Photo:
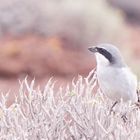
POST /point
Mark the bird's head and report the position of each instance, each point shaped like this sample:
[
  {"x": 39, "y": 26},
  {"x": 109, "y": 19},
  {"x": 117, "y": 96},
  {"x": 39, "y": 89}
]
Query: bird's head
[{"x": 107, "y": 54}]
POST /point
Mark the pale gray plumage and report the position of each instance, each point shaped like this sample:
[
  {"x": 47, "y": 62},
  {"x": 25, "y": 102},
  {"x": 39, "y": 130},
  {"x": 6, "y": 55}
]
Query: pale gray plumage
[{"x": 115, "y": 78}]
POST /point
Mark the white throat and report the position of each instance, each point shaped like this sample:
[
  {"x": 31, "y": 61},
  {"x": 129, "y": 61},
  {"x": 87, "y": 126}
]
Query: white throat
[{"x": 101, "y": 60}]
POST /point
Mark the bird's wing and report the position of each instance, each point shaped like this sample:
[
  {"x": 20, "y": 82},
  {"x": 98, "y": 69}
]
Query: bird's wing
[{"x": 130, "y": 82}]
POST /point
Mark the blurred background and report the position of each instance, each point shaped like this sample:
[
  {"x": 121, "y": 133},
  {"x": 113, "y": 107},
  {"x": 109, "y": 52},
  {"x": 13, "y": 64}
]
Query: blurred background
[{"x": 49, "y": 38}]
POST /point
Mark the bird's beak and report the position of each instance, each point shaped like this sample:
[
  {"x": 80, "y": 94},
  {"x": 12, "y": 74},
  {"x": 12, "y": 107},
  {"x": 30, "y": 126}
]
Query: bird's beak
[{"x": 93, "y": 49}]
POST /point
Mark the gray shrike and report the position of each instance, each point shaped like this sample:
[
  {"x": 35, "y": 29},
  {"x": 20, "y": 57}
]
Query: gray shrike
[{"x": 114, "y": 77}]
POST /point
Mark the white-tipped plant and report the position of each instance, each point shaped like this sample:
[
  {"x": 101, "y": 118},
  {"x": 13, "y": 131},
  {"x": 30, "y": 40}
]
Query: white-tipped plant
[{"x": 77, "y": 112}]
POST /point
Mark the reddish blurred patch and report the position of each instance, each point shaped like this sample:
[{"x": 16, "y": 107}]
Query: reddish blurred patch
[{"x": 38, "y": 56}]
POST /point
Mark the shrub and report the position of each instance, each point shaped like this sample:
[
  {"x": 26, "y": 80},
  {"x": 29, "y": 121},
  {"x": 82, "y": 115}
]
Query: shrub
[{"x": 75, "y": 112}]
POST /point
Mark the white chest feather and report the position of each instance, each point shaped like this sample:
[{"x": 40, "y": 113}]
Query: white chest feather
[{"x": 117, "y": 83}]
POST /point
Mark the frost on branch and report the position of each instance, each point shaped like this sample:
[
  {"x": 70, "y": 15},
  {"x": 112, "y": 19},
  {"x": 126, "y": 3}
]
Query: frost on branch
[{"x": 76, "y": 112}]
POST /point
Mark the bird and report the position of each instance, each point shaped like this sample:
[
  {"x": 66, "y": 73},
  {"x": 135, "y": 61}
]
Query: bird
[{"x": 115, "y": 78}]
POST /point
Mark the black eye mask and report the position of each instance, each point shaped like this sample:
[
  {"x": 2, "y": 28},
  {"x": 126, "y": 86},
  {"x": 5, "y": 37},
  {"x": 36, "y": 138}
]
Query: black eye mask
[{"x": 106, "y": 54}]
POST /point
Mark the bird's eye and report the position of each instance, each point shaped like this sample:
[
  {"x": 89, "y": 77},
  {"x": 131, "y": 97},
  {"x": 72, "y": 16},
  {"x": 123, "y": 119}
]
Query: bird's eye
[{"x": 106, "y": 54}]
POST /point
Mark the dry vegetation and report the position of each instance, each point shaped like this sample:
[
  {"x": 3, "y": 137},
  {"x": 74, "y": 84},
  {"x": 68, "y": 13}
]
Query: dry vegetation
[{"x": 71, "y": 113}]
